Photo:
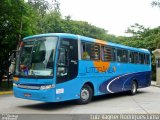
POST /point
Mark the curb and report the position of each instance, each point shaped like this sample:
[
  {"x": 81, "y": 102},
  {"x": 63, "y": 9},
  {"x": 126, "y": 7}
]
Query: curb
[
  {"x": 6, "y": 93},
  {"x": 155, "y": 85}
]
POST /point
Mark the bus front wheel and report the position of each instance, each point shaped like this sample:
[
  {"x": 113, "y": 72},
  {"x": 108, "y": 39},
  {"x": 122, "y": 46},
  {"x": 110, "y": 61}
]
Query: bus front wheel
[
  {"x": 86, "y": 94},
  {"x": 134, "y": 88}
]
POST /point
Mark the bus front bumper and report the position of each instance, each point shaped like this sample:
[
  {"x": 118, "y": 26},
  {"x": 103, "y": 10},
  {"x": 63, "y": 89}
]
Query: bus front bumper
[{"x": 39, "y": 95}]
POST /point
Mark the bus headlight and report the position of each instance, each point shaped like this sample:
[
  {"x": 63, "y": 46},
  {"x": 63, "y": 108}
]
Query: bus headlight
[
  {"x": 45, "y": 87},
  {"x": 14, "y": 84}
]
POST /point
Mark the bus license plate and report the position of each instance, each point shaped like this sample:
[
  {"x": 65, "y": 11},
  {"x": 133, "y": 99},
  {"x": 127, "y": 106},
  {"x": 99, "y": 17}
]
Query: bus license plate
[{"x": 27, "y": 95}]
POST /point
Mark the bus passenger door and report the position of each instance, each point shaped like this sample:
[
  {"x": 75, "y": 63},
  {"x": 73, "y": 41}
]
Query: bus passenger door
[{"x": 67, "y": 66}]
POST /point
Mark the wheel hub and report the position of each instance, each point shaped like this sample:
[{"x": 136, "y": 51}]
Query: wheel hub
[
  {"x": 85, "y": 94},
  {"x": 134, "y": 88}
]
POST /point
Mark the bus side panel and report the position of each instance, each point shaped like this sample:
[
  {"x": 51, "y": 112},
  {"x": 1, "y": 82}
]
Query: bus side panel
[
  {"x": 117, "y": 78},
  {"x": 121, "y": 81},
  {"x": 68, "y": 90},
  {"x": 106, "y": 82}
]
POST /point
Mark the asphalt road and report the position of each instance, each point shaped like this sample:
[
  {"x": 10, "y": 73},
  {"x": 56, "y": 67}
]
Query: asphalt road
[{"x": 146, "y": 101}]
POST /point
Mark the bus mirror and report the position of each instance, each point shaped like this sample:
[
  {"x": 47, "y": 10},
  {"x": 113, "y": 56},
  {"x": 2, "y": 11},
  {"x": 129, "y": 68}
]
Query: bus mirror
[
  {"x": 12, "y": 57},
  {"x": 12, "y": 65},
  {"x": 13, "y": 54}
]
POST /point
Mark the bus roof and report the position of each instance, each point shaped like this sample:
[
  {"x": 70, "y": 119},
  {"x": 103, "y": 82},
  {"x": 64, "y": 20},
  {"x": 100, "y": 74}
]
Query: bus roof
[
  {"x": 52, "y": 34},
  {"x": 88, "y": 39}
]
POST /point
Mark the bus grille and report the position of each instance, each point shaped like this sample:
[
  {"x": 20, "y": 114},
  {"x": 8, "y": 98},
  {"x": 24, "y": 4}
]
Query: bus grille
[{"x": 28, "y": 87}]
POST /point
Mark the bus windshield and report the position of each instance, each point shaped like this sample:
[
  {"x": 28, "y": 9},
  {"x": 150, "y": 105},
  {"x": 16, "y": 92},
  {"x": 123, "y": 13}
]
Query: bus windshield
[{"x": 36, "y": 57}]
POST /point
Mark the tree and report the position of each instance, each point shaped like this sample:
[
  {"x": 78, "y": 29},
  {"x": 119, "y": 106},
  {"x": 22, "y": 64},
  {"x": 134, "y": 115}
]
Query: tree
[
  {"x": 40, "y": 6},
  {"x": 137, "y": 31},
  {"x": 53, "y": 22},
  {"x": 143, "y": 37},
  {"x": 156, "y": 3},
  {"x": 17, "y": 19}
]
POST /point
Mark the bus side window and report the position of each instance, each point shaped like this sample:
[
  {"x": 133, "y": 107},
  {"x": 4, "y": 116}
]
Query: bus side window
[
  {"x": 107, "y": 53},
  {"x": 125, "y": 56},
  {"x": 96, "y": 52},
  {"x": 102, "y": 53},
  {"x": 119, "y": 55},
  {"x": 142, "y": 58},
  {"x": 147, "y": 59},
  {"x": 90, "y": 51},
  {"x": 131, "y": 57},
  {"x": 85, "y": 55},
  {"x": 136, "y": 58},
  {"x": 113, "y": 54},
  {"x": 144, "y": 61}
]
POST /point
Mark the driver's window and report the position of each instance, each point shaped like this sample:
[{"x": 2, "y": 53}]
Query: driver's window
[
  {"x": 62, "y": 57},
  {"x": 62, "y": 69}
]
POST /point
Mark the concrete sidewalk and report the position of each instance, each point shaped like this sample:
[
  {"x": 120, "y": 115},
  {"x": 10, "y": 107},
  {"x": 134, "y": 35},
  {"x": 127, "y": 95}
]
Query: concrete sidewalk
[{"x": 153, "y": 83}]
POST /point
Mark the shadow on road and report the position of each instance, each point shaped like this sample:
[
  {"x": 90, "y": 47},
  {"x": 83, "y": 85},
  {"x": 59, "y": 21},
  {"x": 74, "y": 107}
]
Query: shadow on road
[
  {"x": 115, "y": 96},
  {"x": 68, "y": 104},
  {"x": 50, "y": 105}
]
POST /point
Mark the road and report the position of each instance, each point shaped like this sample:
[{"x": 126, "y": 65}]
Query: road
[{"x": 146, "y": 101}]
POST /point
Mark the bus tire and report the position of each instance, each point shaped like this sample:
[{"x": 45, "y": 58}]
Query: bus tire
[
  {"x": 134, "y": 88},
  {"x": 86, "y": 94}
]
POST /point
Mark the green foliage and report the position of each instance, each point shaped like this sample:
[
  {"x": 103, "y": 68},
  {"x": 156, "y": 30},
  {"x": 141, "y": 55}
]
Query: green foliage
[
  {"x": 143, "y": 37},
  {"x": 11, "y": 11},
  {"x": 53, "y": 22},
  {"x": 18, "y": 19}
]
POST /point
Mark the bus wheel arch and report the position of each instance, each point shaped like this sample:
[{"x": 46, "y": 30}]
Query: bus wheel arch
[
  {"x": 86, "y": 93},
  {"x": 91, "y": 85},
  {"x": 134, "y": 87}
]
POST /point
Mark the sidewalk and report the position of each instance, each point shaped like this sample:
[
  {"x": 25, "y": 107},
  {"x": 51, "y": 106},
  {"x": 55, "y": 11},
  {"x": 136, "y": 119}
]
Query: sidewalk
[{"x": 153, "y": 83}]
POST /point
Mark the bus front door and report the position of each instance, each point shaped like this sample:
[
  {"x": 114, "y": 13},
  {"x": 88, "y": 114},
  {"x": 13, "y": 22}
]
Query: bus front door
[{"x": 67, "y": 66}]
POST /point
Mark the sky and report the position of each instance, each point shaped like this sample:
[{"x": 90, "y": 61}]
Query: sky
[{"x": 115, "y": 16}]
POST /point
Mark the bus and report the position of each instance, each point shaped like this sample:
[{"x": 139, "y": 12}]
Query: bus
[{"x": 58, "y": 67}]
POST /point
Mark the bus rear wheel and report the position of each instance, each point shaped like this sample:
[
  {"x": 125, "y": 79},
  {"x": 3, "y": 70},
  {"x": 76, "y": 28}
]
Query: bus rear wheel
[
  {"x": 134, "y": 88},
  {"x": 86, "y": 94}
]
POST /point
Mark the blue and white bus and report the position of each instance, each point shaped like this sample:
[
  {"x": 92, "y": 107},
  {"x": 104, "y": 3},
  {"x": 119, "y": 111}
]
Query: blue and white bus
[{"x": 57, "y": 67}]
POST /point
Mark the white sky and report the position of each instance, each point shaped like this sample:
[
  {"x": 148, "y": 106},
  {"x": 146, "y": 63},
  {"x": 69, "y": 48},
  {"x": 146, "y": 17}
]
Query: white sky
[{"x": 112, "y": 15}]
